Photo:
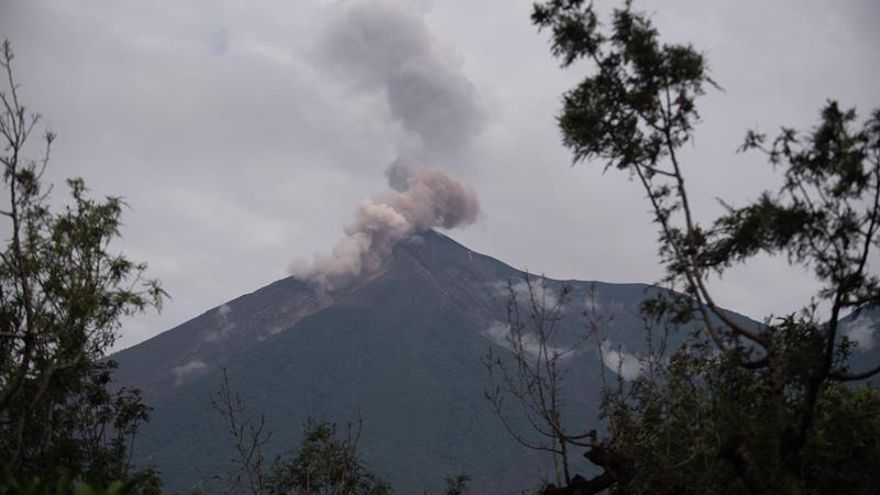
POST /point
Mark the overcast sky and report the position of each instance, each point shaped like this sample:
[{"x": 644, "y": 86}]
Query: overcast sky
[{"x": 244, "y": 134}]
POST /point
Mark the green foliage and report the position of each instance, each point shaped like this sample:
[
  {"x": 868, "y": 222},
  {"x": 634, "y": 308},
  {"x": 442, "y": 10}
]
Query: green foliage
[
  {"x": 640, "y": 102},
  {"x": 63, "y": 485},
  {"x": 704, "y": 424},
  {"x": 94, "y": 429},
  {"x": 457, "y": 485},
  {"x": 62, "y": 295},
  {"x": 326, "y": 464},
  {"x": 741, "y": 409}
]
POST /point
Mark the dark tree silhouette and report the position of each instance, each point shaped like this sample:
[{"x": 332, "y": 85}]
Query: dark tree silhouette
[
  {"x": 62, "y": 295},
  {"x": 769, "y": 387}
]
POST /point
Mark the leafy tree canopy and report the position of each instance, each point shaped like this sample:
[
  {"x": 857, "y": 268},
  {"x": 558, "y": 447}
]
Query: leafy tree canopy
[
  {"x": 63, "y": 292},
  {"x": 739, "y": 408}
]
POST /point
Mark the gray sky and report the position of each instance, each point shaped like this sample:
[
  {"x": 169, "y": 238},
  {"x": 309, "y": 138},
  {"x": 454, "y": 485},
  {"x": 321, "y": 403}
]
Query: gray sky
[{"x": 245, "y": 134}]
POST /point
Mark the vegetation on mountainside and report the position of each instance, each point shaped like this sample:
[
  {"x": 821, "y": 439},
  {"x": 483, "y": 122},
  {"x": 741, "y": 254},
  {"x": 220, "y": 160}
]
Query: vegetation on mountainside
[{"x": 326, "y": 463}]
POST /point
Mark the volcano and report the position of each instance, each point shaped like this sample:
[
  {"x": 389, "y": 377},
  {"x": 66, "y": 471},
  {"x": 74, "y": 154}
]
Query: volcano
[{"x": 400, "y": 349}]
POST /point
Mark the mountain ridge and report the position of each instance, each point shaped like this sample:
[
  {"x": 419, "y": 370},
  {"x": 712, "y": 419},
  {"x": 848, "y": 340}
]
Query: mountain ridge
[{"x": 402, "y": 348}]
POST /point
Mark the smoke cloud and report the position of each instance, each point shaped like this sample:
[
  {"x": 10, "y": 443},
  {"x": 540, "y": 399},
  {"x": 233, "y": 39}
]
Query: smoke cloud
[
  {"x": 384, "y": 47},
  {"x": 431, "y": 199},
  {"x": 379, "y": 46}
]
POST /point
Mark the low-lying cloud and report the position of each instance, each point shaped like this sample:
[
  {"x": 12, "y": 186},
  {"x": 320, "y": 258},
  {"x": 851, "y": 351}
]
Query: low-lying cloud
[
  {"x": 628, "y": 366},
  {"x": 183, "y": 372},
  {"x": 224, "y": 327},
  {"x": 861, "y": 330},
  {"x": 501, "y": 334},
  {"x": 538, "y": 290}
]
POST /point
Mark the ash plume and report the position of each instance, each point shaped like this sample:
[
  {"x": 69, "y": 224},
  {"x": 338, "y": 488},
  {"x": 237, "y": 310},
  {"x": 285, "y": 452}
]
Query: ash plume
[
  {"x": 385, "y": 47},
  {"x": 431, "y": 199}
]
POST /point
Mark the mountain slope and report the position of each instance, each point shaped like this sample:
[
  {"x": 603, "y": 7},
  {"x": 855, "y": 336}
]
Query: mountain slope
[{"x": 400, "y": 349}]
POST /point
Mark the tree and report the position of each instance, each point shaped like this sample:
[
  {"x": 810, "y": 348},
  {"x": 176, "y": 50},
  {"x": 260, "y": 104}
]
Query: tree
[
  {"x": 62, "y": 295},
  {"x": 771, "y": 391},
  {"x": 456, "y": 485},
  {"x": 531, "y": 375},
  {"x": 65, "y": 485},
  {"x": 250, "y": 468},
  {"x": 326, "y": 463}
]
